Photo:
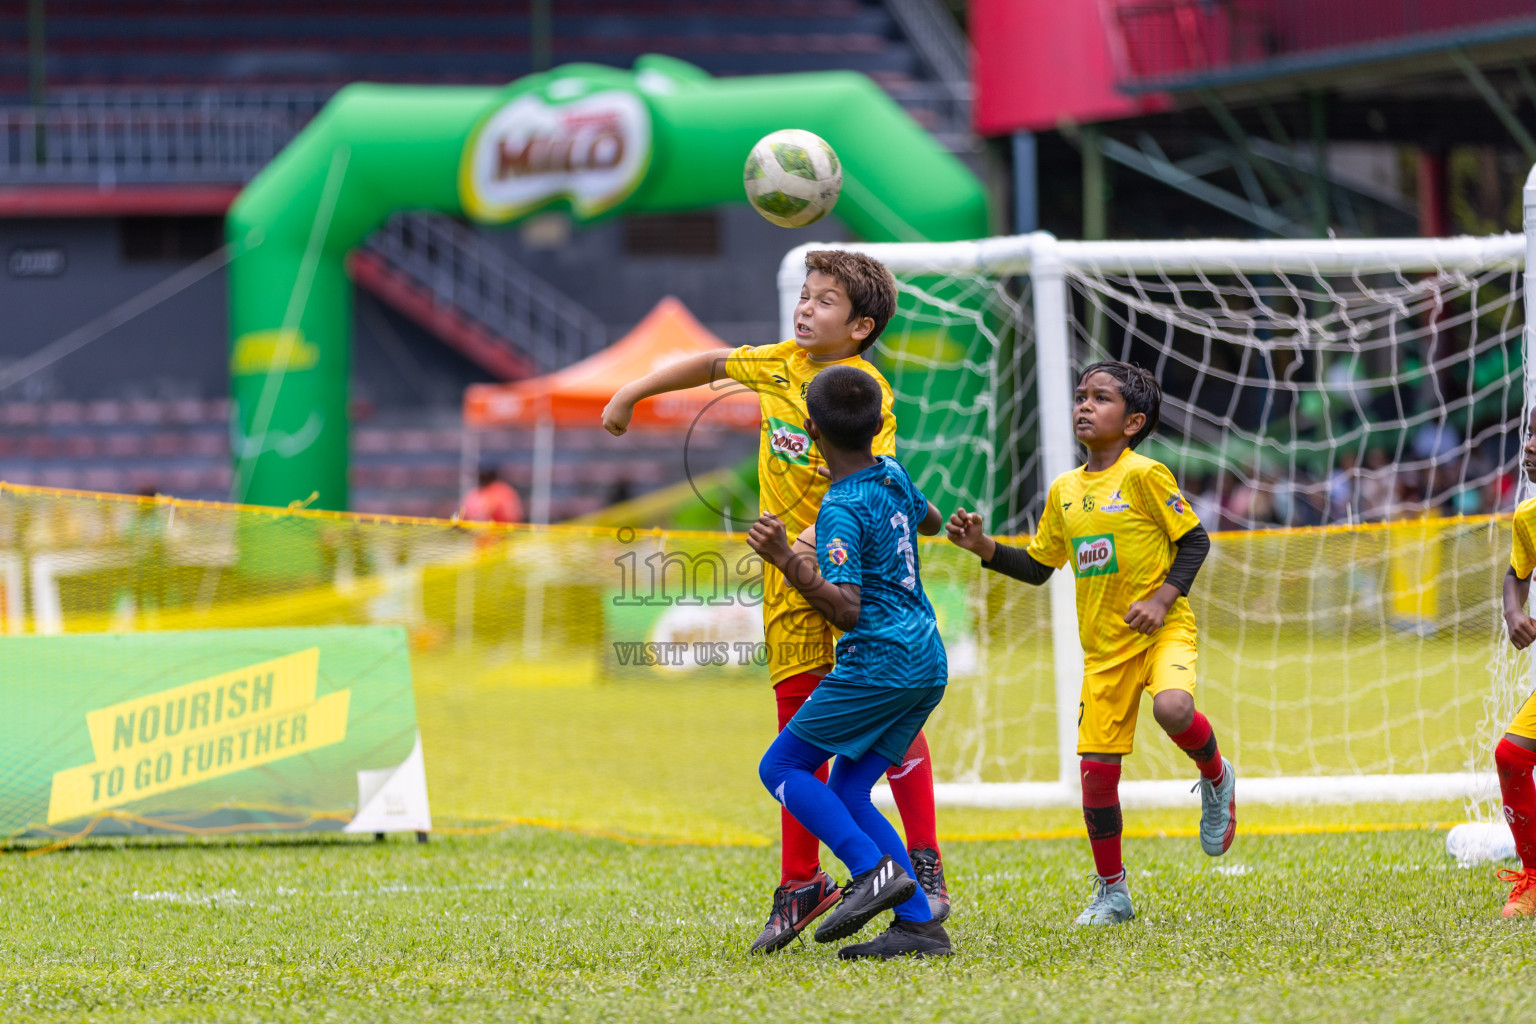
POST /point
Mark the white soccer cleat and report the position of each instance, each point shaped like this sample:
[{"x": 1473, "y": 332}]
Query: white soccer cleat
[
  {"x": 1218, "y": 811},
  {"x": 1111, "y": 903}
]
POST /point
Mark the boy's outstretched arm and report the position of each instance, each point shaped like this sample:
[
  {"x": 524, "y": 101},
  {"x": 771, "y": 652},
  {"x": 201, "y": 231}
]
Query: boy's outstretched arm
[
  {"x": 1189, "y": 554},
  {"x": 703, "y": 368},
  {"x": 838, "y": 603},
  {"x": 1522, "y": 628},
  {"x": 964, "y": 529}
]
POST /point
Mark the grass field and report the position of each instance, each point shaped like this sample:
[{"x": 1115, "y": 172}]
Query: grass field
[
  {"x": 544, "y": 926},
  {"x": 640, "y": 905}
]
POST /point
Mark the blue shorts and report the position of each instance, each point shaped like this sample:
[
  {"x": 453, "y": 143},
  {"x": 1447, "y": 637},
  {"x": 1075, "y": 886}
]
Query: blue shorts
[{"x": 852, "y": 719}]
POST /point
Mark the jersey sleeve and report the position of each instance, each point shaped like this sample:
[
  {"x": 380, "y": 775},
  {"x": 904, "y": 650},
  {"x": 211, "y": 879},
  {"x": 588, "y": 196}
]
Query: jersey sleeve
[
  {"x": 1522, "y": 555},
  {"x": 750, "y": 364},
  {"x": 838, "y": 543},
  {"x": 1049, "y": 545},
  {"x": 1155, "y": 494},
  {"x": 885, "y": 441}
]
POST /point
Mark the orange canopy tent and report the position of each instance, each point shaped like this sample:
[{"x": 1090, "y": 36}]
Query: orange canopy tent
[{"x": 576, "y": 395}]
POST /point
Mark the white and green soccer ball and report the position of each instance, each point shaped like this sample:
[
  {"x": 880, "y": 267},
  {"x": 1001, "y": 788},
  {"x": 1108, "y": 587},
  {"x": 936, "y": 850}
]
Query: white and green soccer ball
[{"x": 793, "y": 177}]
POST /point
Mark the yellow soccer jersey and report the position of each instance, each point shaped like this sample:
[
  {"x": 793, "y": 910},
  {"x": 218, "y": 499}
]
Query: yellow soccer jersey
[
  {"x": 1117, "y": 528},
  {"x": 798, "y": 638},
  {"x": 1522, "y": 555},
  {"x": 787, "y": 461}
]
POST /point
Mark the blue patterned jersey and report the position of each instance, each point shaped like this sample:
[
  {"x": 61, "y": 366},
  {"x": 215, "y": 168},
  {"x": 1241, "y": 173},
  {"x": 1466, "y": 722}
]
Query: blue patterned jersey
[{"x": 865, "y": 534}]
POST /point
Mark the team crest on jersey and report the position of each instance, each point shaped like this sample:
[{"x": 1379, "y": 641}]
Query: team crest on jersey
[
  {"x": 788, "y": 441},
  {"x": 1176, "y": 502},
  {"x": 837, "y": 551},
  {"x": 1095, "y": 556},
  {"x": 1115, "y": 504}
]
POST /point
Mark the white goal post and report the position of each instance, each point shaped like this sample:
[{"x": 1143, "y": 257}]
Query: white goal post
[{"x": 1347, "y": 309}]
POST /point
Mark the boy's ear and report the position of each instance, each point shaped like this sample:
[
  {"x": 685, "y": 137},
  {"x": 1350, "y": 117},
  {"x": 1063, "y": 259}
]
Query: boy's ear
[
  {"x": 1133, "y": 423},
  {"x": 810, "y": 428},
  {"x": 861, "y": 328}
]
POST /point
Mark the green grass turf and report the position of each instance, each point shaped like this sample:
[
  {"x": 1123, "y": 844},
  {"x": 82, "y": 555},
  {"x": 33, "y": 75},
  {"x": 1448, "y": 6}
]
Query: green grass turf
[
  {"x": 677, "y": 758},
  {"x": 543, "y": 926}
]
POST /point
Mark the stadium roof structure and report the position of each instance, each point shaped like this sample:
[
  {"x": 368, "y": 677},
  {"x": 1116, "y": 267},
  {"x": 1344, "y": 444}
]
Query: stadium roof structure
[
  {"x": 1234, "y": 103},
  {"x": 576, "y": 395}
]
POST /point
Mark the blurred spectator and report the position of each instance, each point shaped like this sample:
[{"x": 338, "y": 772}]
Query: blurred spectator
[
  {"x": 494, "y": 501},
  {"x": 1378, "y": 487},
  {"x": 1341, "y": 488},
  {"x": 1204, "y": 500}
]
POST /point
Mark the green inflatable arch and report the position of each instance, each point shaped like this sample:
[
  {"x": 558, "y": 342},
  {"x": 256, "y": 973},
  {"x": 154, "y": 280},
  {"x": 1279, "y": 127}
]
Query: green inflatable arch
[{"x": 591, "y": 139}]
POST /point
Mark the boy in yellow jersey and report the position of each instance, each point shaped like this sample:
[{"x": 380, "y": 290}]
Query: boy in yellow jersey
[
  {"x": 1515, "y": 754},
  {"x": 1135, "y": 546},
  {"x": 846, "y": 301}
]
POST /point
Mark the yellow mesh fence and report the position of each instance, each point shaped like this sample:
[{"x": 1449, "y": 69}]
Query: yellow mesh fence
[{"x": 613, "y": 681}]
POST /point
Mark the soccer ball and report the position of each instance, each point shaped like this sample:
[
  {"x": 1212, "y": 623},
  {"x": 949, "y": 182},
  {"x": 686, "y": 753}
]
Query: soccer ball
[{"x": 792, "y": 177}]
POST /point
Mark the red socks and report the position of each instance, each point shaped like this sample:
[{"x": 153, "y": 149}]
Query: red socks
[
  {"x": 1515, "y": 764},
  {"x": 1101, "y": 812},
  {"x": 1199, "y": 742},
  {"x": 912, "y": 786},
  {"x": 800, "y": 851}
]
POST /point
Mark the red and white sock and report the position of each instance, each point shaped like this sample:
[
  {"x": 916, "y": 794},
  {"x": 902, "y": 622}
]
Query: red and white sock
[
  {"x": 1199, "y": 742},
  {"x": 912, "y": 788},
  {"x": 1101, "y": 813},
  {"x": 1515, "y": 765}
]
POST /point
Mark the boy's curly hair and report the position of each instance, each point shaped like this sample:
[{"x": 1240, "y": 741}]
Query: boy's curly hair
[
  {"x": 1139, "y": 389},
  {"x": 871, "y": 288}
]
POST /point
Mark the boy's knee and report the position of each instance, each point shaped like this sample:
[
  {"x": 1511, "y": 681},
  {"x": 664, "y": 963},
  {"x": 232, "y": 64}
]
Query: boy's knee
[
  {"x": 1174, "y": 711},
  {"x": 1511, "y": 758},
  {"x": 770, "y": 770}
]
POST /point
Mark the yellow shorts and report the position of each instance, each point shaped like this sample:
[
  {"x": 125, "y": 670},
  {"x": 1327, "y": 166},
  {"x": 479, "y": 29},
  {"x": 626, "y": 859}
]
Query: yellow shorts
[
  {"x": 1524, "y": 722},
  {"x": 1106, "y": 711},
  {"x": 799, "y": 639}
]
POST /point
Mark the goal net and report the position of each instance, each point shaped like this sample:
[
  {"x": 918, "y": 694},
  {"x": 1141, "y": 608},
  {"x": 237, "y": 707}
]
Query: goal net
[{"x": 1344, "y": 416}]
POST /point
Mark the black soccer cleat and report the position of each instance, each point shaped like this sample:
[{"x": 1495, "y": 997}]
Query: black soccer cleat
[
  {"x": 902, "y": 938},
  {"x": 930, "y": 875},
  {"x": 877, "y": 890},
  {"x": 794, "y": 906}
]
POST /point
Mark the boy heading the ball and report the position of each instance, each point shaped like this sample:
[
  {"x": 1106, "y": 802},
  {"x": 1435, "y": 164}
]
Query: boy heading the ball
[
  {"x": 1515, "y": 755},
  {"x": 1135, "y": 546},
  {"x": 865, "y": 579},
  {"x": 845, "y": 303}
]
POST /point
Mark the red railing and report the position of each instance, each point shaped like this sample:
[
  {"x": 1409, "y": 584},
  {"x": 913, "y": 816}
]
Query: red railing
[{"x": 1160, "y": 42}]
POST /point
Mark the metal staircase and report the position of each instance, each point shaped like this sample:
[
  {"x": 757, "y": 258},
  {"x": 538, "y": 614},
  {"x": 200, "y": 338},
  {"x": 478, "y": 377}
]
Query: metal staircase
[
  {"x": 943, "y": 106},
  {"x": 458, "y": 285}
]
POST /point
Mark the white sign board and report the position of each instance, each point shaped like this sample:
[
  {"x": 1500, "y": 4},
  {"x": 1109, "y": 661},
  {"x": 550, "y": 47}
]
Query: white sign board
[{"x": 591, "y": 151}]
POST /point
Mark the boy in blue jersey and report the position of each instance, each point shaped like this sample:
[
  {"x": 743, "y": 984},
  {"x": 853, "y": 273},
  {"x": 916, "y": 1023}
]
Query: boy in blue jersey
[{"x": 890, "y": 673}]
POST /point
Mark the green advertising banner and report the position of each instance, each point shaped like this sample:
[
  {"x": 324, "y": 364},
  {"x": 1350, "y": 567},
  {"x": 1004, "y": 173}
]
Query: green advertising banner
[{"x": 210, "y": 730}]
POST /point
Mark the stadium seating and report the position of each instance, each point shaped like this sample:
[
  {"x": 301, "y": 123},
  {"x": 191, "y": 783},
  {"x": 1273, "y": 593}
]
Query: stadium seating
[
  {"x": 215, "y": 42},
  {"x": 402, "y": 464}
]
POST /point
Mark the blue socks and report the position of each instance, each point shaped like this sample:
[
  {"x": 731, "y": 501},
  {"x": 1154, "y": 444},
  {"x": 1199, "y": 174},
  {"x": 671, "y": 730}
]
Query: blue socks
[{"x": 839, "y": 812}]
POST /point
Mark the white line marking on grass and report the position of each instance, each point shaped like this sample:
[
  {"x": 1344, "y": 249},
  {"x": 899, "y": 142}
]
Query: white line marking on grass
[
  {"x": 1232, "y": 869},
  {"x": 223, "y": 897}
]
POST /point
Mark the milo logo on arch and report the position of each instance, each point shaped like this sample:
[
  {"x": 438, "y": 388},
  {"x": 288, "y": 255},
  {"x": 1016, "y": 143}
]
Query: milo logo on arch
[
  {"x": 1095, "y": 556},
  {"x": 788, "y": 441}
]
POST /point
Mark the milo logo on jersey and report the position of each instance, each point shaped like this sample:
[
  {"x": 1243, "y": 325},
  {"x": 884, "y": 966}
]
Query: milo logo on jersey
[
  {"x": 1095, "y": 556},
  {"x": 789, "y": 442}
]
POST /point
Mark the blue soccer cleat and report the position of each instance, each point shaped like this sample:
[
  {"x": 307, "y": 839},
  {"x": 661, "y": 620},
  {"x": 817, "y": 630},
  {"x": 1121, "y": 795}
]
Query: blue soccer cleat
[
  {"x": 1111, "y": 903},
  {"x": 1218, "y": 811}
]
